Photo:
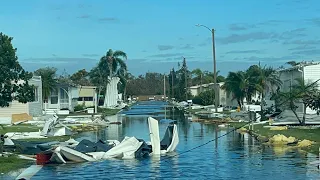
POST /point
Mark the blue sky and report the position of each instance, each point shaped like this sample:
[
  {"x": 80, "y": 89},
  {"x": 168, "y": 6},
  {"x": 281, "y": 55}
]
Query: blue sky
[{"x": 74, "y": 34}]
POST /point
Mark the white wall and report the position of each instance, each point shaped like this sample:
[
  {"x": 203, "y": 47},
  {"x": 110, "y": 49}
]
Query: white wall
[
  {"x": 311, "y": 74},
  {"x": 31, "y": 108},
  {"x": 194, "y": 91},
  {"x": 15, "y": 107},
  {"x": 35, "y": 108}
]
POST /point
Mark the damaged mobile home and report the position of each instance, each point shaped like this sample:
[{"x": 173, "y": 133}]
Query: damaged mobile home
[{"x": 87, "y": 151}]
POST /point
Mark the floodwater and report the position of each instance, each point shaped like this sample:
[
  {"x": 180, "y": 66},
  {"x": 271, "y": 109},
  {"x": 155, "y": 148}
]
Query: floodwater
[{"x": 234, "y": 156}]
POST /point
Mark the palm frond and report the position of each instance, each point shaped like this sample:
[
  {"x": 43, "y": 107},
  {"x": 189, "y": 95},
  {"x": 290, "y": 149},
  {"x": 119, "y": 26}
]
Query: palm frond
[{"x": 118, "y": 54}]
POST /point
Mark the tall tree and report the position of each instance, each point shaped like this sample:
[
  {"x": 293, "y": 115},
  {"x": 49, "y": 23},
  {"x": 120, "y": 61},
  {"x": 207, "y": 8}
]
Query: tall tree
[
  {"x": 198, "y": 77},
  {"x": 110, "y": 65},
  {"x": 268, "y": 80},
  {"x": 10, "y": 75},
  {"x": 49, "y": 80},
  {"x": 81, "y": 77},
  {"x": 209, "y": 77},
  {"x": 235, "y": 86},
  {"x": 184, "y": 81},
  {"x": 115, "y": 61},
  {"x": 172, "y": 82}
]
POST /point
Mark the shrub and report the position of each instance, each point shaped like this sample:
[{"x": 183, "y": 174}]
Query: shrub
[
  {"x": 204, "y": 98},
  {"x": 79, "y": 107}
]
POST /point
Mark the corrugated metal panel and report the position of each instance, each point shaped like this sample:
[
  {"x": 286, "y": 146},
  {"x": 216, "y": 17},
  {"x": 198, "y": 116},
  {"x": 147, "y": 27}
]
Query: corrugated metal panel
[{"x": 311, "y": 74}]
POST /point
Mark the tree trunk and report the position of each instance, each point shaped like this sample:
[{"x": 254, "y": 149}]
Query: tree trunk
[
  {"x": 304, "y": 115},
  {"x": 239, "y": 103},
  {"x": 125, "y": 94},
  {"x": 99, "y": 92},
  {"x": 262, "y": 103},
  {"x": 105, "y": 96},
  {"x": 295, "y": 113}
]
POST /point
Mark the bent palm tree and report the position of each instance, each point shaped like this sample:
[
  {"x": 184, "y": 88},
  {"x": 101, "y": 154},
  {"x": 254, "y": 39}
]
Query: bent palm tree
[{"x": 115, "y": 63}]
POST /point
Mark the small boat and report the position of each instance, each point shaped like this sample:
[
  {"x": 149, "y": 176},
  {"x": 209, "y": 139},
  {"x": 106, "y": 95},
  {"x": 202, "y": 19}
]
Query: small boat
[
  {"x": 125, "y": 150},
  {"x": 56, "y": 157},
  {"x": 73, "y": 155},
  {"x": 154, "y": 135},
  {"x": 128, "y": 148},
  {"x": 169, "y": 141}
]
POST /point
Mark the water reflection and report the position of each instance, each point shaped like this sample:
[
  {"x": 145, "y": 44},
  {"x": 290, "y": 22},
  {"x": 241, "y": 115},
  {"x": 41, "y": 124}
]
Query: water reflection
[{"x": 234, "y": 156}]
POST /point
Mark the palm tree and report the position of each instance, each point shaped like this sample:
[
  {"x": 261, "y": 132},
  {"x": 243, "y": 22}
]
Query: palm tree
[
  {"x": 49, "y": 81},
  {"x": 299, "y": 93},
  {"x": 209, "y": 77},
  {"x": 199, "y": 74},
  {"x": 115, "y": 61},
  {"x": 234, "y": 85},
  {"x": 267, "y": 80},
  {"x": 292, "y": 63}
]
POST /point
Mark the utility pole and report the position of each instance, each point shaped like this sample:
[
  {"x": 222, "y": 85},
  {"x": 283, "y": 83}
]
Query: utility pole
[
  {"x": 215, "y": 72},
  {"x": 172, "y": 84},
  {"x": 164, "y": 87},
  {"x": 185, "y": 77},
  {"x": 214, "y": 67},
  {"x": 201, "y": 82}
]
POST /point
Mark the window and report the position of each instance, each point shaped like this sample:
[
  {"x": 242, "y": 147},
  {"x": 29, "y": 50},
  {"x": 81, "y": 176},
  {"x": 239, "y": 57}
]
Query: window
[
  {"x": 36, "y": 94},
  {"x": 85, "y": 99},
  {"x": 54, "y": 96},
  {"x": 88, "y": 98},
  {"x": 63, "y": 96}
]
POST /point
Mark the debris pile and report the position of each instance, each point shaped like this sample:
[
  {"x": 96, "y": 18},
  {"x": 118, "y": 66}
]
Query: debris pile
[{"x": 281, "y": 139}]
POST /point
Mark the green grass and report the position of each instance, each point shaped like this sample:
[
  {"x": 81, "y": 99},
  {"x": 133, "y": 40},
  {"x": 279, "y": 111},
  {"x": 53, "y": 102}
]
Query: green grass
[
  {"x": 108, "y": 112},
  {"x": 194, "y": 110},
  {"x": 238, "y": 124},
  {"x": 300, "y": 134},
  {"x": 11, "y": 163},
  {"x": 48, "y": 139},
  {"x": 19, "y": 128}
]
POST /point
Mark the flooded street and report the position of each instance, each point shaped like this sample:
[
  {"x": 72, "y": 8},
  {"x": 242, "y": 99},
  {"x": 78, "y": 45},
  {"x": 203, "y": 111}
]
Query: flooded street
[{"x": 234, "y": 156}]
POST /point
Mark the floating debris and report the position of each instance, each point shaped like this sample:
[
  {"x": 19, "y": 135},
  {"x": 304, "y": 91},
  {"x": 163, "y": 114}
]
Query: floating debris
[
  {"x": 305, "y": 143},
  {"x": 279, "y": 128},
  {"x": 281, "y": 139}
]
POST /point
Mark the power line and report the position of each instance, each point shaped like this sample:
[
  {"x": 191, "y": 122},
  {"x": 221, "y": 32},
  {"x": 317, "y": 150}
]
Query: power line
[
  {"x": 199, "y": 146},
  {"x": 218, "y": 137}
]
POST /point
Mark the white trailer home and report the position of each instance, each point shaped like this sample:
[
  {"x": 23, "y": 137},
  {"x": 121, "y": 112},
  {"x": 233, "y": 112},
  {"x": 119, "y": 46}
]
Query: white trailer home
[
  {"x": 308, "y": 71},
  {"x": 31, "y": 108}
]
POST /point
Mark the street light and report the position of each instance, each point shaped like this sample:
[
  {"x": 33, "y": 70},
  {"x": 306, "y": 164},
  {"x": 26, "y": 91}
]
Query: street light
[{"x": 214, "y": 66}]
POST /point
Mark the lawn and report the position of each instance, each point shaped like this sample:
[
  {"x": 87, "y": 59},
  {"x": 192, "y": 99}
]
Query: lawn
[
  {"x": 108, "y": 112},
  {"x": 19, "y": 128},
  {"x": 13, "y": 163},
  {"x": 298, "y": 133}
]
